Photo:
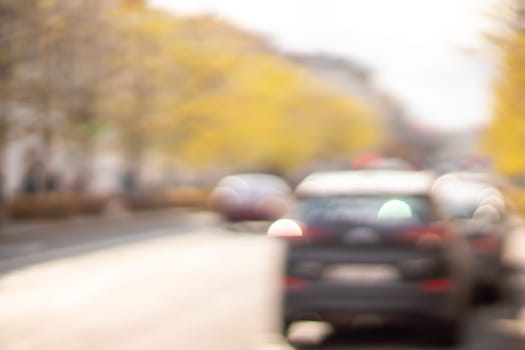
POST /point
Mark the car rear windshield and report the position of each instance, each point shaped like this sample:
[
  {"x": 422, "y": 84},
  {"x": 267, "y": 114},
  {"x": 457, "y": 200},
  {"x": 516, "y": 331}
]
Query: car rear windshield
[
  {"x": 461, "y": 209},
  {"x": 381, "y": 209}
]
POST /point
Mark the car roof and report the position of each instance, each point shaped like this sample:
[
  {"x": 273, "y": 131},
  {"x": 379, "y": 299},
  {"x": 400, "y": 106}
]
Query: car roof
[
  {"x": 486, "y": 178},
  {"x": 366, "y": 182},
  {"x": 254, "y": 180},
  {"x": 463, "y": 186}
]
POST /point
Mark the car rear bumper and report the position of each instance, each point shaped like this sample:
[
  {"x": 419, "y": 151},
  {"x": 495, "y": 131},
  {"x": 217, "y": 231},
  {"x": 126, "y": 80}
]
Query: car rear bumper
[{"x": 385, "y": 302}]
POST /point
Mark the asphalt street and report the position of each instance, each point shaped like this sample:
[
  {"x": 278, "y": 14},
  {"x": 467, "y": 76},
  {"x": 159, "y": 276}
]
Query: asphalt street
[{"x": 185, "y": 280}]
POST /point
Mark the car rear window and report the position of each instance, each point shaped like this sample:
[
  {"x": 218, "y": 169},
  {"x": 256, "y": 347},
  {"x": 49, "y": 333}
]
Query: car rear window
[
  {"x": 461, "y": 209},
  {"x": 463, "y": 200},
  {"x": 367, "y": 209}
]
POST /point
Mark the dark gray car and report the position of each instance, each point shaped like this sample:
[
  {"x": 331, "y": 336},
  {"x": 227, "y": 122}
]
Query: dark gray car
[
  {"x": 367, "y": 244},
  {"x": 480, "y": 211}
]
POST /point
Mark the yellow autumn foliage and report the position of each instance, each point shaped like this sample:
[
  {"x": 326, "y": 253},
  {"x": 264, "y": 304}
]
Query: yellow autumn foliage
[
  {"x": 206, "y": 93},
  {"x": 504, "y": 139}
]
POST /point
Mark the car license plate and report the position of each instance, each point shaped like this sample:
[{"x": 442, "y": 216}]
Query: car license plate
[{"x": 361, "y": 274}]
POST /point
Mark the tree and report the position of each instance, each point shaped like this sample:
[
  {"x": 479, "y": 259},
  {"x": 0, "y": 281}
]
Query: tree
[
  {"x": 504, "y": 139},
  {"x": 224, "y": 97},
  {"x": 197, "y": 90}
]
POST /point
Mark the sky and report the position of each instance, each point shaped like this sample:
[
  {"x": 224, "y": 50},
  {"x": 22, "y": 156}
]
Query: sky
[{"x": 429, "y": 54}]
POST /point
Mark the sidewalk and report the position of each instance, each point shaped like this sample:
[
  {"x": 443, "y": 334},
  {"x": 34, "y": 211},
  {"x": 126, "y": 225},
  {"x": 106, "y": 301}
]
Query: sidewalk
[
  {"x": 15, "y": 228},
  {"x": 514, "y": 250},
  {"x": 28, "y": 243},
  {"x": 514, "y": 258}
]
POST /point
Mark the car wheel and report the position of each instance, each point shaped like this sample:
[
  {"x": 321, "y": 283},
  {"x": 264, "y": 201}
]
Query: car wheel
[
  {"x": 285, "y": 327},
  {"x": 449, "y": 333},
  {"x": 490, "y": 293}
]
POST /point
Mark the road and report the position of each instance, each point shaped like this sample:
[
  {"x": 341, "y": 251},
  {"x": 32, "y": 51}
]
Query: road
[
  {"x": 183, "y": 281},
  {"x": 24, "y": 244}
]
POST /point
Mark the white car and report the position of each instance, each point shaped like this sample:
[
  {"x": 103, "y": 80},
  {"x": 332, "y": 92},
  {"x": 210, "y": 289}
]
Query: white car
[{"x": 251, "y": 196}]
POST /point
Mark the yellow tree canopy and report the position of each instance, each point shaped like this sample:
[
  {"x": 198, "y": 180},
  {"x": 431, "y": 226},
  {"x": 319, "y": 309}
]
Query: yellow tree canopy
[
  {"x": 207, "y": 93},
  {"x": 504, "y": 139}
]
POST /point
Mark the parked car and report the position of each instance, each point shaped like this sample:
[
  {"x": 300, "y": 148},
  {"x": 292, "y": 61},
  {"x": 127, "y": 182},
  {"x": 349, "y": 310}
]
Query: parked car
[
  {"x": 373, "y": 243},
  {"x": 251, "y": 197},
  {"x": 480, "y": 210}
]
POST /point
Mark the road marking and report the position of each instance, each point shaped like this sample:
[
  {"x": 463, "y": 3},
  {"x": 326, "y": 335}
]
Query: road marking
[
  {"x": 86, "y": 247},
  {"x": 21, "y": 248}
]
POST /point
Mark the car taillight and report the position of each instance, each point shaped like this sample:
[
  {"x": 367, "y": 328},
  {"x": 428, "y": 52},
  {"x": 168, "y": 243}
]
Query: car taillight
[
  {"x": 439, "y": 285},
  {"x": 485, "y": 243},
  {"x": 425, "y": 236},
  {"x": 294, "y": 283}
]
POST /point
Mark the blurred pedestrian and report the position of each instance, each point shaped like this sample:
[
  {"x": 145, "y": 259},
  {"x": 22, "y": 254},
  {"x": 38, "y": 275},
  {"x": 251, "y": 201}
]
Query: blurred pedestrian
[
  {"x": 52, "y": 181},
  {"x": 34, "y": 178},
  {"x": 129, "y": 180}
]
